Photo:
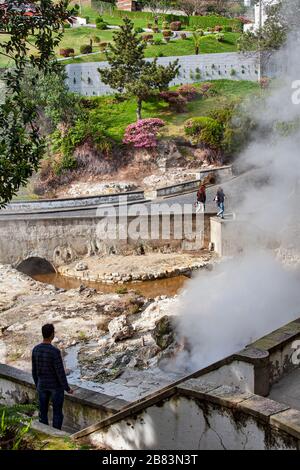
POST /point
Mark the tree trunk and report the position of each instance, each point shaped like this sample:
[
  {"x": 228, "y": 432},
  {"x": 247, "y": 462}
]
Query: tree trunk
[
  {"x": 197, "y": 50},
  {"x": 139, "y": 110}
]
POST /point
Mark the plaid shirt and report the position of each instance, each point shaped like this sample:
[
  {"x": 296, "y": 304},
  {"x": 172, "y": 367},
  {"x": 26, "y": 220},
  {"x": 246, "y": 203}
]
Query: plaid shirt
[{"x": 47, "y": 368}]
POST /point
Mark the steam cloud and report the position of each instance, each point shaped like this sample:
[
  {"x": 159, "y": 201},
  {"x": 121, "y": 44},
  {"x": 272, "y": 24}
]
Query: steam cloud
[{"x": 250, "y": 295}]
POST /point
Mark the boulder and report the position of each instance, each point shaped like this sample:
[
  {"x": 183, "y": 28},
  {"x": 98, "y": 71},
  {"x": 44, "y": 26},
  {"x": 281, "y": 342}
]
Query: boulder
[
  {"x": 120, "y": 328},
  {"x": 81, "y": 266}
]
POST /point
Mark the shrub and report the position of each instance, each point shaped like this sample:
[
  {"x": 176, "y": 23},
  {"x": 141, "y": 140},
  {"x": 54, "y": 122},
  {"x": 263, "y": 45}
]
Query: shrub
[
  {"x": 103, "y": 46},
  {"x": 176, "y": 101},
  {"x": 67, "y": 26},
  {"x": 165, "y": 25},
  {"x": 264, "y": 82},
  {"x": 86, "y": 49},
  {"x": 148, "y": 37},
  {"x": 100, "y": 23},
  {"x": 160, "y": 54},
  {"x": 155, "y": 29},
  {"x": 143, "y": 134},
  {"x": 183, "y": 36},
  {"x": 232, "y": 72},
  {"x": 175, "y": 26},
  {"x": 205, "y": 130},
  {"x": 139, "y": 30},
  {"x": 87, "y": 19},
  {"x": 220, "y": 37},
  {"x": 149, "y": 25},
  {"x": 227, "y": 29},
  {"x": 66, "y": 52},
  {"x": 206, "y": 90},
  {"x": 189, "y": 92},
  {"x": 167, "y": 33},
  {"x": 200, "y": 32},
  {"x": 15, "y": 424}
]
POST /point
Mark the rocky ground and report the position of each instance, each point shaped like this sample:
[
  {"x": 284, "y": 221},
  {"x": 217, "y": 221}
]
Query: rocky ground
[
  {"x": 133, "y": 268},
  {"x": 116, "y": 338}
]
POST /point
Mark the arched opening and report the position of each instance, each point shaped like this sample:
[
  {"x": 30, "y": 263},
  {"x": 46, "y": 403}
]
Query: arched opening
[{"x": 35, "y": 265}]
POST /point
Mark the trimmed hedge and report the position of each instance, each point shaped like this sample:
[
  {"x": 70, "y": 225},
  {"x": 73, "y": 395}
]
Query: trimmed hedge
[
  {"x": 212, "y": 21},
  {"x": 148, "y": 16}
]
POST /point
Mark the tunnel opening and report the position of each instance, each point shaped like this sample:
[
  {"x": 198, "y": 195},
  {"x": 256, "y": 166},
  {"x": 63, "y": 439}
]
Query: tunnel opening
[{"x": 35, "y": 265}]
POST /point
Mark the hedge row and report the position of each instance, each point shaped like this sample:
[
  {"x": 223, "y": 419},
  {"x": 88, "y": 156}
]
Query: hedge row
[
  {"x": 148, "y": 16},
  {"x": 201, "y": 22},
  {"x": 204, "y": 22}
]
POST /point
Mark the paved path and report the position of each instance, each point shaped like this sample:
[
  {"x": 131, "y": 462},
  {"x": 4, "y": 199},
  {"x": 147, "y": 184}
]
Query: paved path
[
  {"x": 233, "y": 190},
  {"x": 287, "y": 390}
]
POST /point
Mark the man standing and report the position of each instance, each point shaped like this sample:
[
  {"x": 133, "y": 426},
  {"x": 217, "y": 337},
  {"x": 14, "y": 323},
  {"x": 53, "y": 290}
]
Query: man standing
[
  {"x": 49, "y": 377},
  {"x": 220, "y": 198}
]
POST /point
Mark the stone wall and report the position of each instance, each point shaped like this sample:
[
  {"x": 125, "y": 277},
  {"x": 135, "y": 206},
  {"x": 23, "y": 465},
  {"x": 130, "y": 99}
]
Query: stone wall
[
  {"x": 85, "y": 78},
  {"x": 82, "y": 409},
  {"x": 62, "y": 240},
  {"x": 201, "y": 416}
]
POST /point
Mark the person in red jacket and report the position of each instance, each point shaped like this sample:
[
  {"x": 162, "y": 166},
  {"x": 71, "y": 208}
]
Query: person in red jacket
[{"x": 201, "y": 198}]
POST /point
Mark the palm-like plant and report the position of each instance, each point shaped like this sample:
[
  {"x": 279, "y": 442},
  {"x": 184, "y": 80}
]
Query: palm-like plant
[
  {"x": 15, "y": 423},
  {"x": 197, "y": 40}
]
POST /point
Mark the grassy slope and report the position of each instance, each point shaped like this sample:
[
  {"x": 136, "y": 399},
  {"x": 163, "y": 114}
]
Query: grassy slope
[
  {"x": 173, "y": 48},
  {"x": 119, "y": 115}
]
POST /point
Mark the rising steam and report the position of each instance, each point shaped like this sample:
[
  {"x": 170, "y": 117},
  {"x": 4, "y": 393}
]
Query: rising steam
[{"x": 250, "y": 295}]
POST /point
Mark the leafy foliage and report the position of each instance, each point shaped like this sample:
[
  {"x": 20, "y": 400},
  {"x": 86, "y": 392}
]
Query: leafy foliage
[
  {"x": 143, "y": 134},
  {"x": 15, "y": 423},
  {"x": 204, "y": 130},
  {"x": 129, "y": 73},
  {"x": 21, "y": 146}
]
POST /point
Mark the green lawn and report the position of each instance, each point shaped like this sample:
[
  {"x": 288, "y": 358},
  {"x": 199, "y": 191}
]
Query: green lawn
[
  {"x": 177, "y": 47},
  {"x": 118, "y": 115}
]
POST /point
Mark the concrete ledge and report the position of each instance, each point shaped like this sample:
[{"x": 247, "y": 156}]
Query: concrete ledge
[
  {"x": 261, "y": 408},
  {"x": 77, "y": 202},
  {"x": 288, "y": 421},
  {"x": 81, "y": 409}
]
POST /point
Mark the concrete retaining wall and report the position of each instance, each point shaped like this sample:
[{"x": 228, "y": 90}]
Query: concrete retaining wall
[
  {"x": 203, "y": 417},
  {"x": 62, "y": 240},
  {"x": 85, "y": 78},
  {"x": 77, "y": 202},
  {"x": 82, "y": 409}
]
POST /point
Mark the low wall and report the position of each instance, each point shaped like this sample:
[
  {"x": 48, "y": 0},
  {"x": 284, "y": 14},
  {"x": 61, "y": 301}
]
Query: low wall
[
  {"x": 77, "y": 202},
  {"x": 201, "y": 416},
  {"x": 63, "y": 240},
  {"x": 221, "y": 174},
  {"x": 85, "y": 78},
  {"x": 82, "y": 409}
]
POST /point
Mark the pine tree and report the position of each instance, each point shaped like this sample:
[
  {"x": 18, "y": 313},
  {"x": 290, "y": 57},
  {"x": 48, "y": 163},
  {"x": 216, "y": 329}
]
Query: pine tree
[{"x": 129, "y": 73}]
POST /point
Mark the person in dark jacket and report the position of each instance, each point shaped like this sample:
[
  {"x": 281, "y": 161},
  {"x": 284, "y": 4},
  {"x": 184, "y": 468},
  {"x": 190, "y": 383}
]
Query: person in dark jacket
[
  {"x": 49, "y": 377},
  {"x": 201, "y": 198},
  {"x": 220, "y": 200}
]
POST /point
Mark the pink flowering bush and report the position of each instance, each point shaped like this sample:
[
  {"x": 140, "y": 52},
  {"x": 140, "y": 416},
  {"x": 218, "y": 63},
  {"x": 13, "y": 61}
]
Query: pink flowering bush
[{"x": 143, "y": 134}]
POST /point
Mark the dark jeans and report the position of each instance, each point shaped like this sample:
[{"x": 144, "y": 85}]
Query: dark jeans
[{"x": 57, "y": 398}]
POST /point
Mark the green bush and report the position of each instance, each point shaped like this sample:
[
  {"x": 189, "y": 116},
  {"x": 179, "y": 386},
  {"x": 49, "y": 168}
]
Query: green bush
[
  {"x": 87, "y": 19},
  {"x": 100, "y": 23},
  {"x": 227, "y": 29},
  {"x": 147, "y": 16},
  {"x": 139, "y": 30},
  {"x": 205, "y": 130},
  {"x": 86, "y": 49},
  {"x": 205, "y": 22}
]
